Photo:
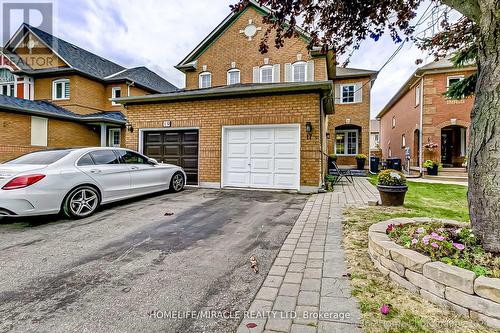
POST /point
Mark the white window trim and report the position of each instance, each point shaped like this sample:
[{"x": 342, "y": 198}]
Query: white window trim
[
  {"x": 54, "y": 83},
  {"x": 460, "y": 77},
  {"x": 272, "y": 73},
  {"x": 305, "y": 70},
  {"x": 403, "y": 140},
  {"x": 234, "y": 70},
  {"x": 417, "y": 95},
  {"x": 200, "y": 81},
  {"x": 113, "y": 90},
  {"x": 342, "y": 95},
  {"x": 345, "y": 141},
  {"x": 111, "y": 132}
]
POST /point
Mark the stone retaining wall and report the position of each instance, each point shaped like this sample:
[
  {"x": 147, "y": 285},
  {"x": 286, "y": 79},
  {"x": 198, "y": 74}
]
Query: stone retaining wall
[{"x": 448, "y": 286}]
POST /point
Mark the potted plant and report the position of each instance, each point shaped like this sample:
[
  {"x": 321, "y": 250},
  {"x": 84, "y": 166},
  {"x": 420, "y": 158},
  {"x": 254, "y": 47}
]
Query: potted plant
[
  {"x": 332, "y": 159},
  {"x": 329, "y": 181},
  {"x": 360, "y": 161},
  {"x": 392, "y": 187},
  {"x": 432, "y": 167}
]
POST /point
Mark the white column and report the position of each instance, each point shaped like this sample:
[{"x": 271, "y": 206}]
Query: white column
[{"x": 103, "y": 135}]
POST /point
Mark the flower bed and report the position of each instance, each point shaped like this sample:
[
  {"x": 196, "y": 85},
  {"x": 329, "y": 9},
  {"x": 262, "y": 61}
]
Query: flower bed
[
  {"x": 449, "y": 244},
  {"x": 468, "y": 292}
]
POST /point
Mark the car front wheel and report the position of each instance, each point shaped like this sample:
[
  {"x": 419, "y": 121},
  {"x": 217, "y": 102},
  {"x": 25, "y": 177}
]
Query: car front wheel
[
  {"x": 177, "y": 182},
  {"x": 81, "y": 202}
]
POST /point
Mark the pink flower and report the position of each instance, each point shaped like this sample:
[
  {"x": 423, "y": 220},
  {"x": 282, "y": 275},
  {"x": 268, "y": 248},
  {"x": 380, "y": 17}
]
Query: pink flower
[
  {"x": 425, "y": 239},
  {"x": 414, "y": 241},
  {"x": 435, "y": 245},
  {"x": 420, "y": 230},
  {"x": 437, "y": 237},
  {"x": 389, "y": 229},
  {"x": 385, "y": 309},
  {"x": 459, "y": 246}
]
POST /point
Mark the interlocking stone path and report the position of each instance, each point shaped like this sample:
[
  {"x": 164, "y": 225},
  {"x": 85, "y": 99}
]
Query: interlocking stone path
[{"x": 308, "y": 277}]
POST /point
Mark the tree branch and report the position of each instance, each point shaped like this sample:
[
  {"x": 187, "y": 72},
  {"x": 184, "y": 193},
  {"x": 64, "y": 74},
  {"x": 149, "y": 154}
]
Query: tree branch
[{"x": 468, "y": 8}]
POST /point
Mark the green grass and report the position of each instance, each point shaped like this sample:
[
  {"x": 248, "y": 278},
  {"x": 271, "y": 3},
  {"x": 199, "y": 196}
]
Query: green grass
[{"x": 434, "y": 200}]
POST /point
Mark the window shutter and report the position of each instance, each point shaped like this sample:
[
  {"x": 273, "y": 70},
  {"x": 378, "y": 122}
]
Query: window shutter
[
  {"x": 358, "y": 92},
  {"x": 288, "y": 72},
  {"x": 66, "y": 89},
  {"x": 310, "y": 71},
  {"x": 338, "y": 95},
  {"x": 256, "y": 74},
  {"x": 277, "y": 73}
]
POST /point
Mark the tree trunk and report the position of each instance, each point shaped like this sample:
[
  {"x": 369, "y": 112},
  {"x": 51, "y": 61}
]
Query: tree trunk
[{"x": 484, "y": 148}]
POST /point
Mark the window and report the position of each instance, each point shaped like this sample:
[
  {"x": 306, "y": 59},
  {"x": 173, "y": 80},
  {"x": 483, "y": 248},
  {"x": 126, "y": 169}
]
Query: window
[
  {"x": 205, "y": 80},
  {"x": 417, "y": 95},
  {"x": 129, "y": 157},
  {"x": 403, "y": 141},
  {"x": 116, "y": 92},
  {"x": 347, "y": 93},
  {"x": 346, "y": 142},
  {"x": 453, "y": 79},
  {"x": 39, "y": 131},
  {"x": 101, "y": 157},
  {"x": 114, "y": 137},
  {"x": 7, "y": 83},
  {"x": 266, "y": 74},
  {"x": 85, "y": 160},
  {"x": 44, "y": 157},
  {"x": 299, "y": 72},
  {"x": 233, "y": 76},
  {"x": 60, "y": 89},
  {"x": 393, "y": 121}
]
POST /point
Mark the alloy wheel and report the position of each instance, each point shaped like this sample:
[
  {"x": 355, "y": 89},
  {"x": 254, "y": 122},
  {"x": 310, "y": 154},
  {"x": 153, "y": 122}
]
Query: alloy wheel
[
  {"x": 83, "y": 202},
  {"x": 178, "y": 182}
]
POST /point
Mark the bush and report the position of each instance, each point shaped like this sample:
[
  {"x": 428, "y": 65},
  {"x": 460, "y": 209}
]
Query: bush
[
  {"x": 432, "y": 164},
  {"x": 361, "y": 157},
  {"x": 333, "y": 157},
  {"x": 391, "y": 177}
]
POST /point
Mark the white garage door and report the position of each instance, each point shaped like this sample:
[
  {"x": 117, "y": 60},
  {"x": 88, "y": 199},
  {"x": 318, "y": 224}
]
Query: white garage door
[{"x": 261, "y": 157}]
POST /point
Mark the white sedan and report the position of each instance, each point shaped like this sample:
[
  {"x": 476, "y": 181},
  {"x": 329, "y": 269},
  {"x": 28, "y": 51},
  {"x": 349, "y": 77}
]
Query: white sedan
[{"x": 77, "y": 181}]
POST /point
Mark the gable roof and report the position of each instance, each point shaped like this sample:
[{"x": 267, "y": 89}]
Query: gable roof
[
  {"x": 47, "y": 109},
  {"x": 441, "y": 66},
  {"x": 347, "y": 72},
  {"x": 86, "y": 62},
  {"x": 146, "y": 77},
  {"x": 190, "y": 60}
]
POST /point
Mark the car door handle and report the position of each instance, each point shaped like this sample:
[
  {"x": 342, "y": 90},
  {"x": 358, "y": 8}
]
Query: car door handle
[
  {"x": 95, "y": 171},
  {"x": 134, "y": 168}
]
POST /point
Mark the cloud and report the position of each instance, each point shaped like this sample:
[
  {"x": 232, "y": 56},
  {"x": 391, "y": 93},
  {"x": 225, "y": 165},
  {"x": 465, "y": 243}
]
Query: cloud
[{"x": 159, "y": 34}]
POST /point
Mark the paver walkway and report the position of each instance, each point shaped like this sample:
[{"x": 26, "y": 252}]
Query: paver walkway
[{"x": 307, "y": 289}]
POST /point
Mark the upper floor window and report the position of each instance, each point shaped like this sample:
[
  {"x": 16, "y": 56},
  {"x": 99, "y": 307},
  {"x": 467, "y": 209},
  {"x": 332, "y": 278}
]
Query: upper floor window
[
  {"x": 417, "y": 95},
  {"x": 347, "y": 91},
  {"x": 299, "y": 71},
  {"x": 7, "y": 82},
  {"x": 403, "y": 140},
  {"x": 60, "y": 89},
  {"x": 233, "y": 76},
  {"x": 266, "y": 74},
  {"x": 116, "y": 92},
  {"x": 393, "y": 121},
  {"x": 205, "y": 80},
  {"x": 453, "y": 79}
]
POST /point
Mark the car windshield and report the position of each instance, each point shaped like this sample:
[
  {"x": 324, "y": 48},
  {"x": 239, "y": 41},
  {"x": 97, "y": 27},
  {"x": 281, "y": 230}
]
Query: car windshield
[{"x": 41, "y": 157}]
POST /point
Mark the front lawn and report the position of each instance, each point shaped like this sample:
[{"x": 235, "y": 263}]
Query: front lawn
[{"x": 409, "y": 312}]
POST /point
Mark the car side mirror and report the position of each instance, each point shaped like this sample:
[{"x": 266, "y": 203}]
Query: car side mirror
[{"x": 153, "y": 161}]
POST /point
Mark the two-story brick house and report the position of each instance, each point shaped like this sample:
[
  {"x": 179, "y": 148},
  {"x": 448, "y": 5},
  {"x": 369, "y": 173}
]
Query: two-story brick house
[
  {"x": 419, "y": 114},
  {"x": 253, "y": 120},
  {"x": 56, "y": 94}
]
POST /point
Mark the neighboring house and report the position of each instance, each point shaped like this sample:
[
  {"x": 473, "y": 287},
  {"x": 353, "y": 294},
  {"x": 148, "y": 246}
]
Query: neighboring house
[
  {"x": 374, "y": 134},
  {"x": 255, "y": 120},
  {"x": 416, "y": 116},
  {"x": 55, "y": 94}
]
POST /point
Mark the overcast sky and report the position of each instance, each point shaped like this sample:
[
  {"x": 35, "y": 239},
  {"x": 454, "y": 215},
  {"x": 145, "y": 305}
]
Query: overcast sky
[{"x": 159, "y": 33}]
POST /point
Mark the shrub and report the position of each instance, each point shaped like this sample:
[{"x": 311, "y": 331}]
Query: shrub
[
  {"x": 361, "y": 157},
  {"x": 333, "y": 157},
  {"x": 391, "y": 177},
  {"x": 432, "y": 164}
]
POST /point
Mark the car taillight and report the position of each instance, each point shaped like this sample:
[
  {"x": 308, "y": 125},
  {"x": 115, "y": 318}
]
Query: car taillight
[{"x": 22, "y": 181}]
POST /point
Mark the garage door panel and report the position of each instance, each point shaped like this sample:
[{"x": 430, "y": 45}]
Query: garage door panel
[
  {"x": 190, "y": 137},
  {"x": 154, "y": 137},
  {"x": 171, "y": 137},
  {"x": 172, "y": 150},
  {"x": 190, "y": 149},
  {"x": 189, "y": 163},
  {"x": 259, "y": 149},
  {"x": 271, "y": 151},
  {"x": 285, "y": 149},
  {"x": 153, "y": 151}
]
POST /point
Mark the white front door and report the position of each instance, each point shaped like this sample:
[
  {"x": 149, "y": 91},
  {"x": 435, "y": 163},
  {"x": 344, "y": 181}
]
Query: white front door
[{"x": 261, "y": 156}]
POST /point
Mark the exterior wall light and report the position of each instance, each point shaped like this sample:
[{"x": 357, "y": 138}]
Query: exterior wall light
[
  {"x": 129, "y": 127},
  {"x": 309, "y": 129}
]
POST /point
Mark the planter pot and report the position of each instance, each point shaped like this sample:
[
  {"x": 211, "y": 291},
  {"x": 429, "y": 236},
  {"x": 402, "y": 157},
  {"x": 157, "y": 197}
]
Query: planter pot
[
  {"x": 360, "y": 164},
  {"x": 392, "y": 195},
  {"x": 433, "y": 171}
]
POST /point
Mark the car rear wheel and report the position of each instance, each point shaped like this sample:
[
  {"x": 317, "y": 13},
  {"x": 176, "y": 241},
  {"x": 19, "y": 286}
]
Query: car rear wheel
[
  {"x": 81, "y": 202},
  {"x": 177, "y": 182}
]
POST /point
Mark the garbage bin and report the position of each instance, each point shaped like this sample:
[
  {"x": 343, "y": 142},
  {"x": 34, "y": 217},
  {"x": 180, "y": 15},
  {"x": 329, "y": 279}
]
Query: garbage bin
[
  {"x": 394, "y": 163},
  {"x": 374, "y": 163}
]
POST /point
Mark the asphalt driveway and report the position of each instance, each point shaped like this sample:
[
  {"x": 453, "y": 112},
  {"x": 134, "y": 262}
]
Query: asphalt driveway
[{"x": 172, "y": 252}]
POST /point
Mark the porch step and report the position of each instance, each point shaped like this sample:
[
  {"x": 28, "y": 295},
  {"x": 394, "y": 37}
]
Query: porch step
[{"x": 441, "y": 177}]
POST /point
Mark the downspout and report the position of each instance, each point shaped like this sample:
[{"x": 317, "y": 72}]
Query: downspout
[
  {"x": 321, "y": 128},
  {"x": 421, "y": 127}
]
